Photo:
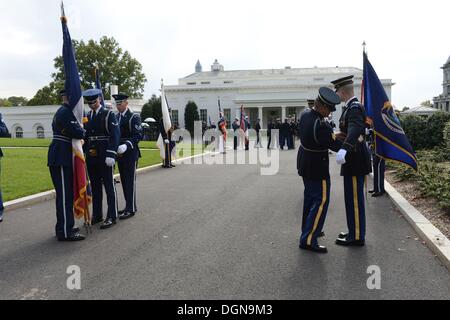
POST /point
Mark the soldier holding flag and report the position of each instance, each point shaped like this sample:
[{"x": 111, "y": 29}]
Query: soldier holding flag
[
  {"x": 165, "y": 143},
  {"x": 355, "y": 160}
]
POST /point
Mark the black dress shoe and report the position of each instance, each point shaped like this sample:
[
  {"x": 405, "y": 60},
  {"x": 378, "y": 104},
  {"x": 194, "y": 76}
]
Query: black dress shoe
[
  {"x": 76, "y": 230},
  {"x": 350, "y": 243},
  {"x": 172, "y": 165},
  {"x": 96, "y": 220},
  {"x": 321, "y": 235},
  {"x": 121, "y": 212},
  {"x": 108, "y": 224},
  {"x": 316, "y": 248},
  {"x": 73, "y": 238},
  {"x": 371, "y": 191},
  {"x": 126, "y": 215},
  {"x": 342, "y": 235},
  {"x": 167, "y": 167},
  {"x": 378, "y": 194}
]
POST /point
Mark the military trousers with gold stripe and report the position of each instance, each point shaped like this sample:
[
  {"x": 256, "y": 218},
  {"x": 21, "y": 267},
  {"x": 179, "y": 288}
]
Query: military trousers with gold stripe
[
  {"x": 315, "y": 209},
  {"x": 355, "y": 207}
]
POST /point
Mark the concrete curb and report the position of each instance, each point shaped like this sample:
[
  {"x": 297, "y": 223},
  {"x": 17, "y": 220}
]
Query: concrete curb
[
  {"x": 50, "y": 195},
  {"x": 435, "y": 240}
]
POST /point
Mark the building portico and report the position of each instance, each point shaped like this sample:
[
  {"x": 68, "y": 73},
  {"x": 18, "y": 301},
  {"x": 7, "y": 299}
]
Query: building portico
[{"x": 266, "y": 94}]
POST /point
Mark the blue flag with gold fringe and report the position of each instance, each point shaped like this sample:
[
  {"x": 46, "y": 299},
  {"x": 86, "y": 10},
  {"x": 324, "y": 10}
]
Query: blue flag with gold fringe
[{"x": 390, "y": 139}]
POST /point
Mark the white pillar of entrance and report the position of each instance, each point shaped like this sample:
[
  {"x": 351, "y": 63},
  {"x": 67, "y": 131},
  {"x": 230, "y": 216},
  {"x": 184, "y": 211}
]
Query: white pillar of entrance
[
  {"x": 260, "y": 115},
  {"x": 283, "y": 113}
]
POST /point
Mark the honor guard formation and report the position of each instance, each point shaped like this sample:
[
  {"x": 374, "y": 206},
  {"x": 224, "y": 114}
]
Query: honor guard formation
[{"x": 109, "y": 138}]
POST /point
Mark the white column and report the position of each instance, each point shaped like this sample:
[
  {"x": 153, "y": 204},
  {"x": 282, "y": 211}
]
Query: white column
[
  {"x": 260, "y": 115},
  {"x": 283, "y": 114}
]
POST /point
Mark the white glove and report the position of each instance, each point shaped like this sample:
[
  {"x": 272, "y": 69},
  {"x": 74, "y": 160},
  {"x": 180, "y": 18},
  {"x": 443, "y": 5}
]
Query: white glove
[
  {"x": 122, "y": 149},
  {"x": 340, "y": 157},
  {"x": 110, "y": 162},
  {"x": 166, "y": 141}
]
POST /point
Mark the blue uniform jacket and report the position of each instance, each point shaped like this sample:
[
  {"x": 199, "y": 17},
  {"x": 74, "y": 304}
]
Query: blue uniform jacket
[
  {"x": 3, "y": 132},
  {"x": 352, "y": 123},
  {"x": 102, "y": 136},
  {"x": 65, "y": 128},
  {"x": 317, "y": 138},
  {"x": 131, "y": 134}
]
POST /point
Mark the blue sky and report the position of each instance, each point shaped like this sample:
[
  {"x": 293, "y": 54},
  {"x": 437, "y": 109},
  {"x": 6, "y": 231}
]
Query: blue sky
[{"x": 407, "y": 41}]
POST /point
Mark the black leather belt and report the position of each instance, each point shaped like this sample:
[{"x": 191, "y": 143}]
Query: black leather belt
[
  {"x": 61, "y": 138},
  {"x": 314, "y": 151}
]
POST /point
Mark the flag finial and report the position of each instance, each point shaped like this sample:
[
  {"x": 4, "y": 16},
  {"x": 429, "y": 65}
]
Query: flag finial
[
  {"x": 364, "y": 46},
  {"x": 63, "y": 13}
]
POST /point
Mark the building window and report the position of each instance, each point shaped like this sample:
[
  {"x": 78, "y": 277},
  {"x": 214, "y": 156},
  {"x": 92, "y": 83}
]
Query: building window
[
  {"x": 448, "y": 107},
  {"x": 227, "y": 115},
  {"x": 40, "y": 133},
  {"x": 191, "y": 83},
  {"x": 175, "y": 118},
  {"x": 19, "y": 133},
  {"x": 207, "y": 82},
  {"x": 204, "y": 115},
  {"x": 228, "y": 82}
]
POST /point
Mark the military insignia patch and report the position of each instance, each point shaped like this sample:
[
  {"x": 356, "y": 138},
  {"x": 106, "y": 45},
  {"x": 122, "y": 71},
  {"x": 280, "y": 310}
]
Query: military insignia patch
[
  {"x": 390, "y": 119},
  {"x": 333, "y": 136}
]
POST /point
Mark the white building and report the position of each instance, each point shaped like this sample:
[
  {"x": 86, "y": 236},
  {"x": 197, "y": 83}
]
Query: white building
[
  {"x": 442, "y": 102},
  {"x": 36, "y": 122},
  {"x": 266, "y": 94}
]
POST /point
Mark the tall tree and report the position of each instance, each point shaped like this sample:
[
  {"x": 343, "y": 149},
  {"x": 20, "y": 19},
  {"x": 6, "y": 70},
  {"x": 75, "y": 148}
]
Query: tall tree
[
  {"x": 152, "y": 109},
  {"x": 5, "y": 103},
  {"x": 48, "y": 95},
  {"x": 190, "y": 116},
  {"x": 116, "y": 67}
]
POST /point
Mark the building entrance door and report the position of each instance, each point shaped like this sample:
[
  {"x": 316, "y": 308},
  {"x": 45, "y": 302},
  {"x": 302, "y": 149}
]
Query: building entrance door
[{"x": 270, "y": 114}]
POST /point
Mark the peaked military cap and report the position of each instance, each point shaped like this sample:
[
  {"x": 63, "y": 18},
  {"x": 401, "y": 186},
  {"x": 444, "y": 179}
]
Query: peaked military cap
[
  {"x": 92, "y": 95},
  {"x": 342, "y": 82},
  {"x": 329, "y": 98},
  {"x": 121, "y": 97}
]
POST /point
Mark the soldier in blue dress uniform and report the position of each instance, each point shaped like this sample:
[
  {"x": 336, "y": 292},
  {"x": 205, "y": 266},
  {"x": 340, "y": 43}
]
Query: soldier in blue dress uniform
[
  {"x": 128, "y": 153},
  {"x": 168, "y": 143},
  {"x": 316, "y": 138},
  {"x": 102, "y": 142},
  {"x": 3, "y": 133},
  {"x": 379, "y": 167},
  {"x": 355, "y": 160},
  {"x": 65, "y": 128}
]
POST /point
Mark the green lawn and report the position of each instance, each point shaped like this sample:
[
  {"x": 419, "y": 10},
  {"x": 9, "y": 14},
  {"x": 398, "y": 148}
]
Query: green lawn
[
  {"x": 24, "y": 142},
  {"x": 24, "y": 171},
  {"x": 46, "y": 143}
]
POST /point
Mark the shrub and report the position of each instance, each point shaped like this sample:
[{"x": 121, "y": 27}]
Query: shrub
[
  {"x": 414, "y": 127},
  {"x": 447, "y": 135},
  {"x": 435, "y": 125}
]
